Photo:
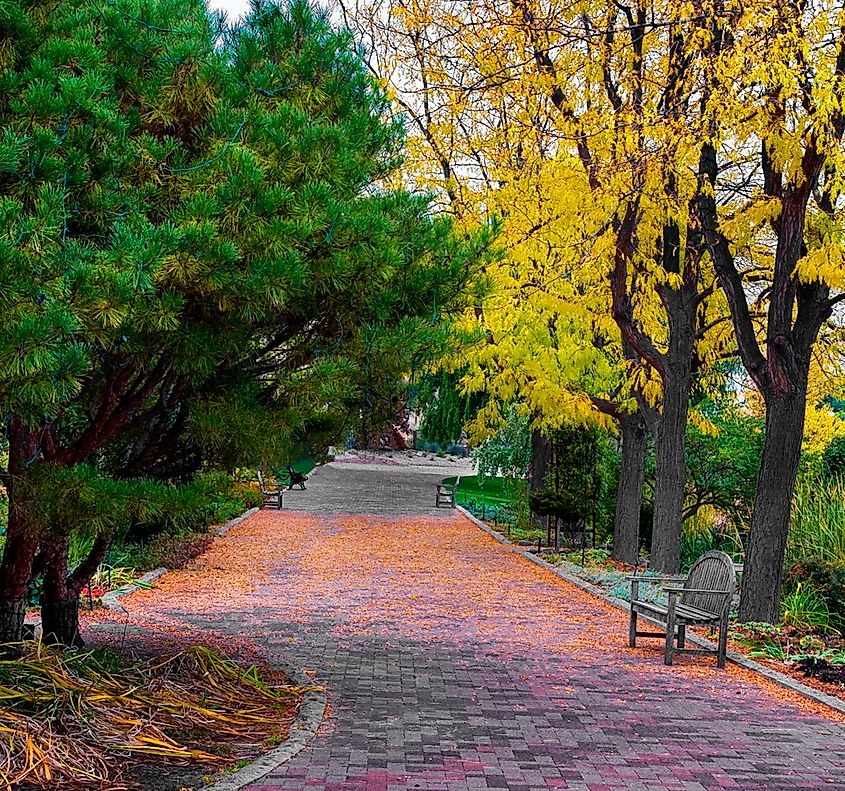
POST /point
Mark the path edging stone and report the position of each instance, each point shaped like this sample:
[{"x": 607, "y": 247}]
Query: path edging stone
[
  {"x": 111, "y": 599},
  {"x": 738, "y": 659},
  {"x": 302, "y": 730},
  {"x": 311, "y": 710}
]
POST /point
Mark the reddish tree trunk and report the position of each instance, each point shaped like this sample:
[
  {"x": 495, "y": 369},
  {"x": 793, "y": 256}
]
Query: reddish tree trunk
[
  {"x": 18, "y": 554},
  {"x": 21, "y": 541},
  {"x": 60, "y": 598},
  {"x": 62, "y": 588}
]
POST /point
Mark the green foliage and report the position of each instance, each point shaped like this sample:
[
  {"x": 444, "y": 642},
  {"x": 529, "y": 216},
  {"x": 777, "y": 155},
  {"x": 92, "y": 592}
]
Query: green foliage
[
  {"x": 166, "y": 550},
  {"x": 508, "y": 452},
  {"x": 722, "y": 467},
  {"x": 581, "y": 480},
  {"x": 823, "y": 578},
  {"x": 567, "y": 505},
  {"x": 445, "y": 409},
  {"x": 803, "y": 608},
  {"x": 701, "y": 533},
  {"x": 833, "y": 458},
  {"x": 817, "y": 528}
]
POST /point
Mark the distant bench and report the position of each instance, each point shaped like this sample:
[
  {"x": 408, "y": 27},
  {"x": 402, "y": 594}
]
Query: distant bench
[
  {"x": 446, "y": 493},
  {"x": 272, "y": 491}
]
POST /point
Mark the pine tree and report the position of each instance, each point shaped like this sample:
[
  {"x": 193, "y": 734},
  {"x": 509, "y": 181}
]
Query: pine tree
[{"x": 214, "y": 256}]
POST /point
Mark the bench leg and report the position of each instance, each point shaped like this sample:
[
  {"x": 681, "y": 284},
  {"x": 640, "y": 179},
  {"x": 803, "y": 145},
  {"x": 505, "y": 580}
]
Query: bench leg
[
  {"x": 632, "y": 630},
  {"x": 723, "y": 640},
  {"x": 682, "y": 636},
  {"x": 670, "y": 630}
]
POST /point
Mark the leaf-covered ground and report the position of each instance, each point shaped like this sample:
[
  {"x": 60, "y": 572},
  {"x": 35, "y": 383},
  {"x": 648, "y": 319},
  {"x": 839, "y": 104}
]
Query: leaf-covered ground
[{"x": 453, "y": 663}]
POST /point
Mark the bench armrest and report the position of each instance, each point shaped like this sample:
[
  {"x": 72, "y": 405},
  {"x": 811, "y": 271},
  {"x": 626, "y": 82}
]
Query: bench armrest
[{"x": 635, "y": 581}]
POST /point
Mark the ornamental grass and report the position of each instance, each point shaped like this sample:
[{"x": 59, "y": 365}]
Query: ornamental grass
[{"x": 77, "y": 720}]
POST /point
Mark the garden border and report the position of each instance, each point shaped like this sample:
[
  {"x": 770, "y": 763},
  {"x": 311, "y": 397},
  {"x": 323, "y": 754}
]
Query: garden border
[
  {"x": 311, "y": 711},
  {"x": 620, "y": 604},
  {"x": 302, "y": 730}
]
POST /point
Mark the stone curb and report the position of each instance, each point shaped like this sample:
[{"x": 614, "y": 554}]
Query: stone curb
[
  {"x": 738, "y": 659},
  {"x": 223, "y": 529},
  {"x": 111, "y": 599},
  {"x": 302, "y": 730}
]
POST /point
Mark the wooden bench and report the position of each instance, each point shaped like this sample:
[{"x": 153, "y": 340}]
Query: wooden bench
[
  {"x": 271, "y": 491},
  {"x": 446, "y": 493},
  {"x": 702, "y": 599}
]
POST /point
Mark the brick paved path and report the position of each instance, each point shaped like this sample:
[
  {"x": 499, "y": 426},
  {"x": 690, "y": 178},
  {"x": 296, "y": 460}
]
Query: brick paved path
[
  {"x": 453, "y": 664},
  {"x": 364, "y": 489}
]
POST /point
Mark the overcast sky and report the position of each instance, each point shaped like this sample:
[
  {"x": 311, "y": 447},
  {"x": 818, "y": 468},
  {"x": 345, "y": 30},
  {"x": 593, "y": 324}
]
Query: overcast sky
[{"x": 233, "y": 8}]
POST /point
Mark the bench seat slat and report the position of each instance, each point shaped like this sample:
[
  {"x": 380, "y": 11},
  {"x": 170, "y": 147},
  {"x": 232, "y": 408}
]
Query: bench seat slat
[{"x": 682, "y": 611}]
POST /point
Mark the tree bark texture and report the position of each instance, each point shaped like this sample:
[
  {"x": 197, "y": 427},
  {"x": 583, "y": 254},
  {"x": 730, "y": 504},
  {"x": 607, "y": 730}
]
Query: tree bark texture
[
  {"x": 541, "y": 456},
  {"x": 21, "y": 542},
  {"x": 670, "y": 476},
  {"x": 763, "y": 575},
  {"x": 629, "y": 494},
  {"x": 62, "y": 588},
  {"x": 59, "y": 598}
]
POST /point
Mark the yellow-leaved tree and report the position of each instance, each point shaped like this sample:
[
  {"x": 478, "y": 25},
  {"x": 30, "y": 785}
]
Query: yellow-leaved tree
[
  {"x": 772, "y": 169},
  {"x": 579, "y": 124}
]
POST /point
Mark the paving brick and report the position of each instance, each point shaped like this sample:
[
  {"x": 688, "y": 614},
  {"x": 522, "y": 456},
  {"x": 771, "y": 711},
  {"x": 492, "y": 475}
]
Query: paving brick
[{"x": 503, "y": 677}]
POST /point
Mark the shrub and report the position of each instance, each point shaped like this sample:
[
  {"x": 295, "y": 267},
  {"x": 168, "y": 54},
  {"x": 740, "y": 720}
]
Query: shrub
[
  {"x": 817, "y": 527},
  {"x": 457, "y": 450},
  {"x": 701, "y": 534},
  {"x": 171, "y": 552},
  {"x": 833, "y": 459},
  {"x": 826, "y": 579},
  {"x": 804, "y": 608}
]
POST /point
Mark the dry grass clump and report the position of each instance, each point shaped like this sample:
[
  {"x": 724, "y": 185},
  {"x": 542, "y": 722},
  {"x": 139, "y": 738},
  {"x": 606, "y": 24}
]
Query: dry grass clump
[{"x": 66, "y": 717}]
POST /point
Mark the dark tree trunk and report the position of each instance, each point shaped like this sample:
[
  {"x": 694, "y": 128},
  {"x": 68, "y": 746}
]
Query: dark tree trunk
[
  {"x": 12, "y": 612},
  {"x": 541, "y": 459},
  {"x": 541, "y": 456},
  {"x": 763, "y": 574},
  {"x": 60, "y": 598},
  {"x": 60, "y": 622},
  {"x": 629, "y": 494},
  {"x": 21, "y": 542},
  {"x": 19, "y": 552},
  {"x": 62, "y": 588},
  {"x": 670, "y": 476}
]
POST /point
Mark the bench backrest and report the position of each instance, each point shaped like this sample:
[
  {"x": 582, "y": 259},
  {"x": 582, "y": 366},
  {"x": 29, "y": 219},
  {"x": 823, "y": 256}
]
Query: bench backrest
[
  {"x": 261, "y": 485},
  {"x": 712, "y": 571}
]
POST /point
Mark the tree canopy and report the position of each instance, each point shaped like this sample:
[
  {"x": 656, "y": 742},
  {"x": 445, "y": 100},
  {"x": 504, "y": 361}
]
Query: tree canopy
[{"x": 203, "y": 254}]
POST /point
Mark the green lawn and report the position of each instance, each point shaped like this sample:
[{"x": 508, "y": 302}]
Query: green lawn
[
  {"x": 304, "y": 465},
  {"x": 494, "y": 491}
]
